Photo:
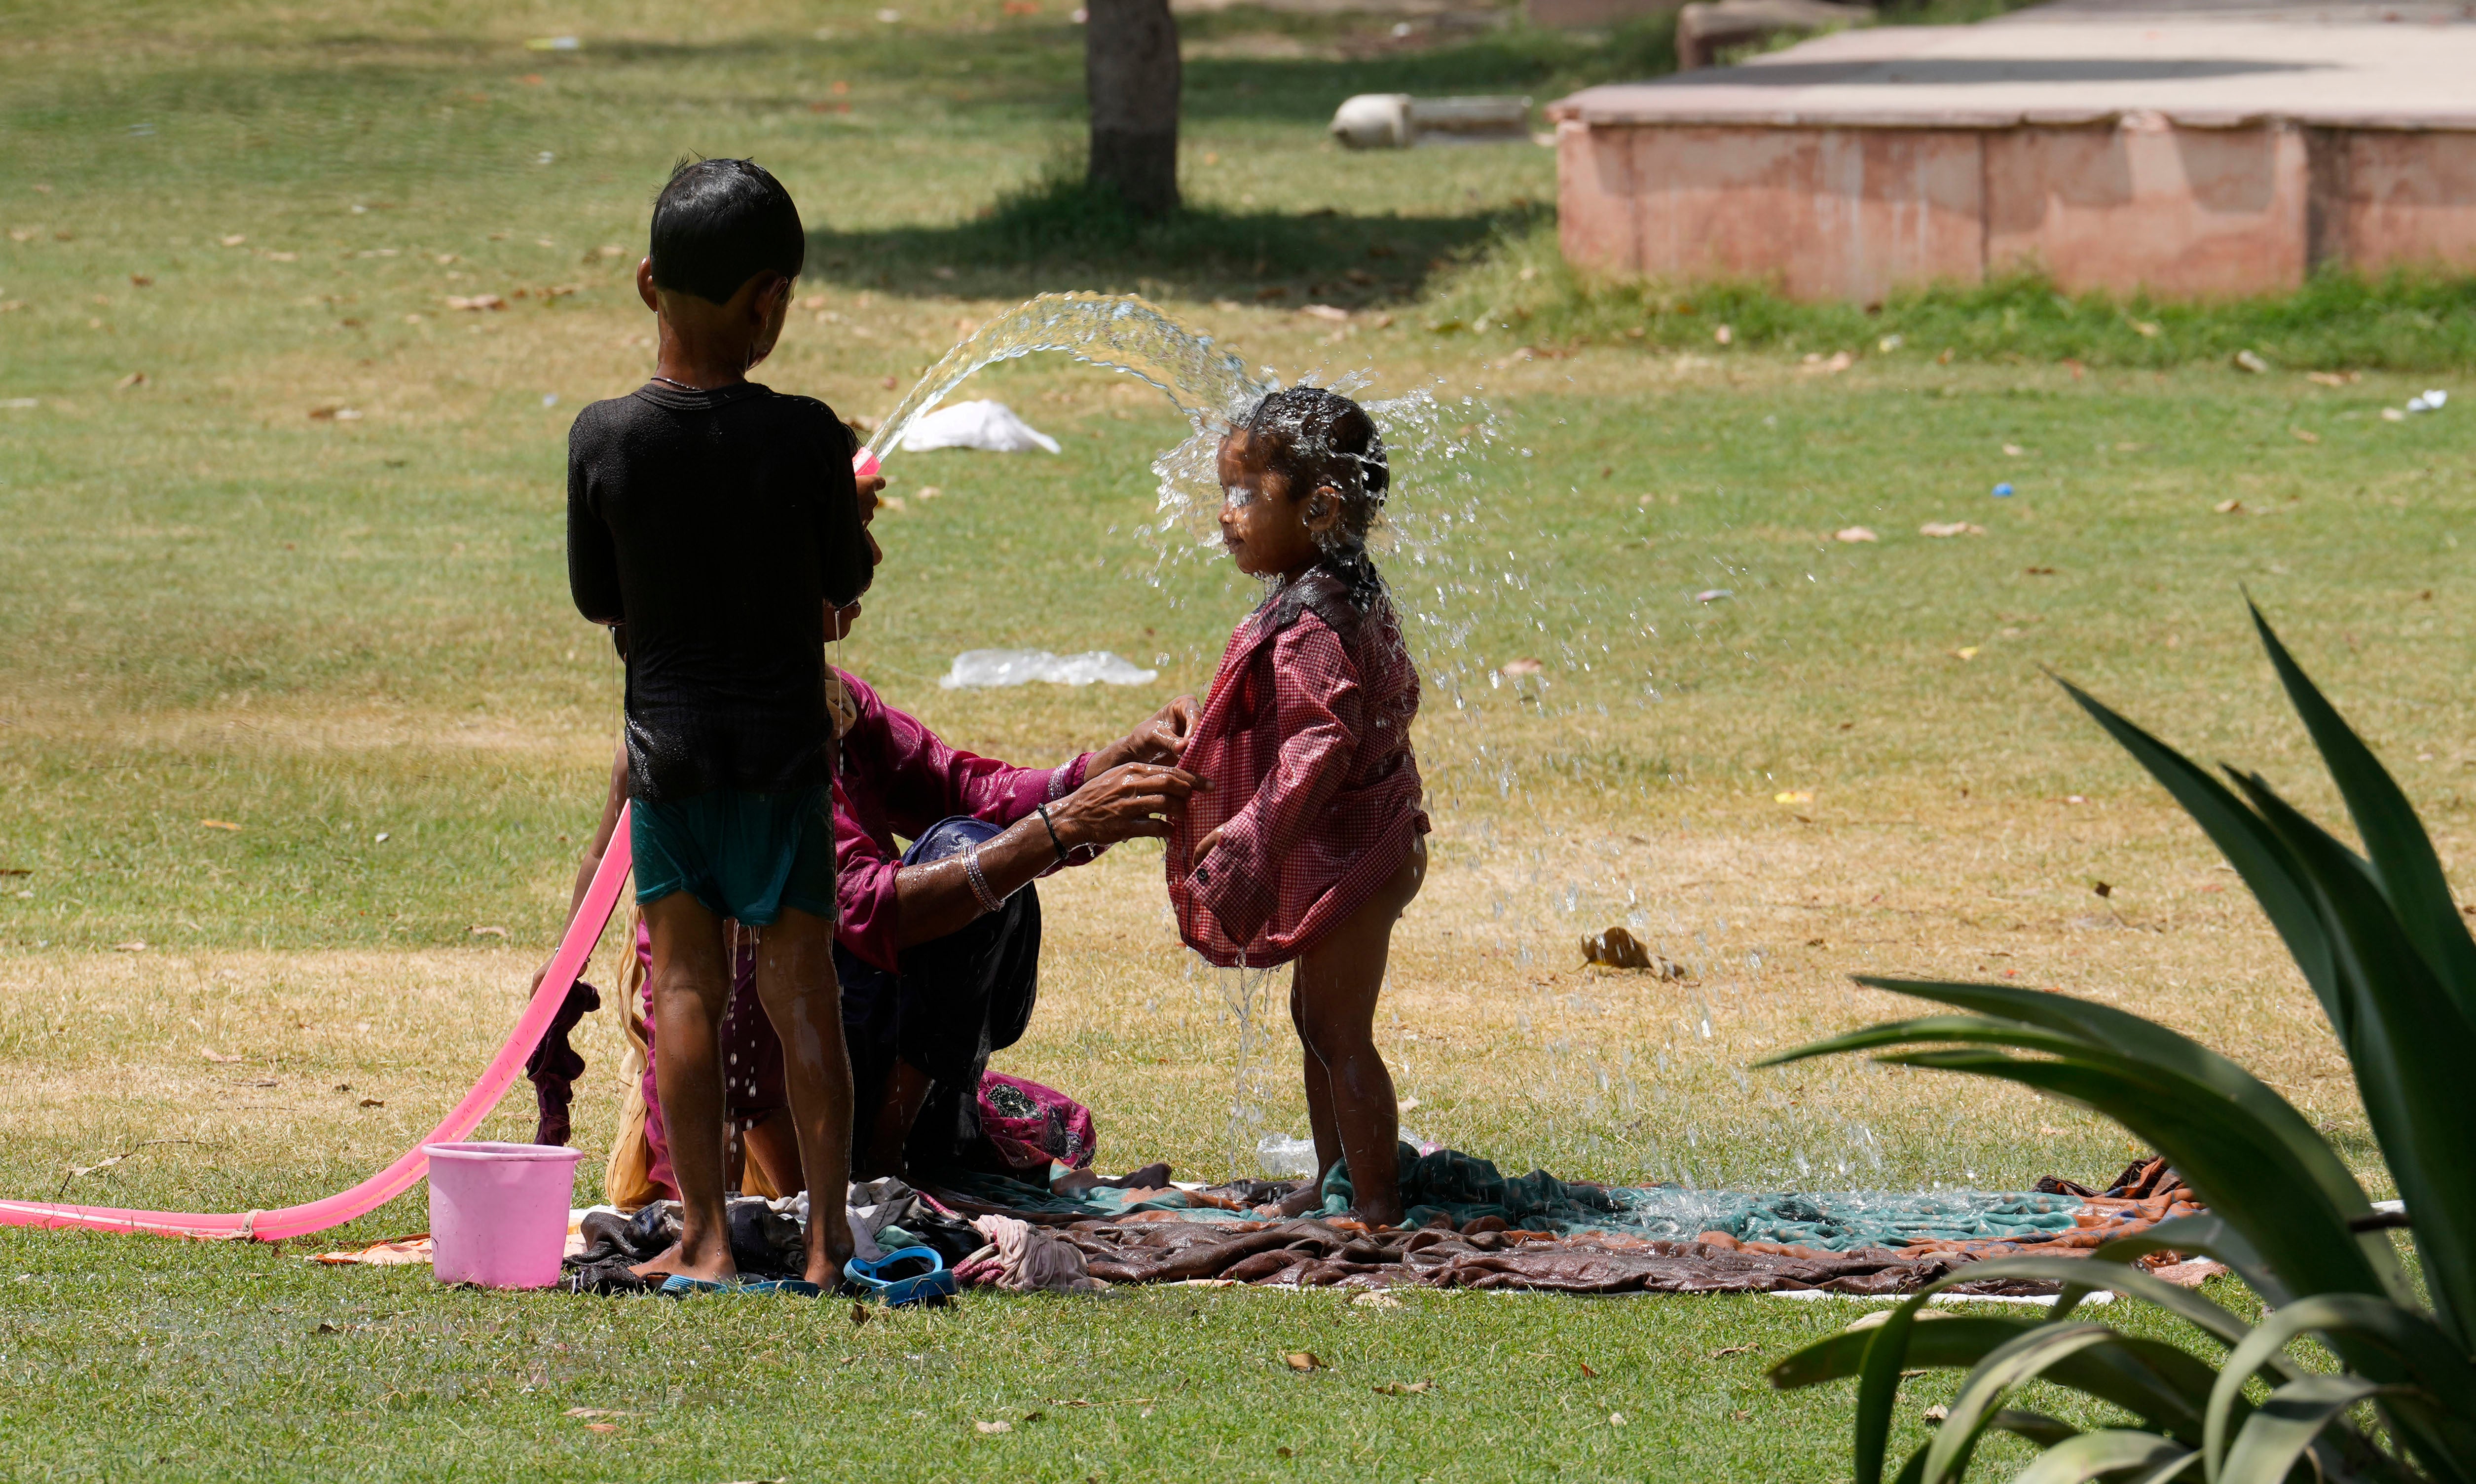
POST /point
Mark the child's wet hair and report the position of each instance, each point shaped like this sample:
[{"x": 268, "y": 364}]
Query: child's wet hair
[
  {"x": 1316, "y": 438},
  {"x": 720, "y": 223}
]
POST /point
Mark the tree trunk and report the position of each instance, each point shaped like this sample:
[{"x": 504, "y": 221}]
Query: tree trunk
[{"x": 1130, "y": 71}]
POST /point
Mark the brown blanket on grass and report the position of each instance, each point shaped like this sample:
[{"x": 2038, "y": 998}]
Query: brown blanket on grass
[{"x": 1157, "y": 1246}]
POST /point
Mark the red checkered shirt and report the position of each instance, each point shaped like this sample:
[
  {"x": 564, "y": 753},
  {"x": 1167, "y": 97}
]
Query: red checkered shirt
[{"x": 1306, "y": 740}]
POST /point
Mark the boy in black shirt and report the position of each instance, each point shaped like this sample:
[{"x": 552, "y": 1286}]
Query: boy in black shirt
[{"x": 718, "y": 524}]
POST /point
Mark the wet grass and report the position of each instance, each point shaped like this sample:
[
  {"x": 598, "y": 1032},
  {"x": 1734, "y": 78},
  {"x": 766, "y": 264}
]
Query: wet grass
[{"x": 223, "y": 599}]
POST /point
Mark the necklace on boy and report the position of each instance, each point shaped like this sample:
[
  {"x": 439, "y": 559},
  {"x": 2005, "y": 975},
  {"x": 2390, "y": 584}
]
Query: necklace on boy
[{"x": 676, "y": 382}]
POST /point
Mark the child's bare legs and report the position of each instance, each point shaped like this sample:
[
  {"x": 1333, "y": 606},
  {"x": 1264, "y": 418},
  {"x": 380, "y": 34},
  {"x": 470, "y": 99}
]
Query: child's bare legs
[
  {"x": 691, "y": 981},
  {"x": 773, "y": 1146},
  {"x": 795, "y": 980},
  {"x": 1349, "y": 1092}
]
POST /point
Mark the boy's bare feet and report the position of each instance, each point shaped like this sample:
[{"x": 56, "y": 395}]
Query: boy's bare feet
[{"x": 709, "y": 1264}]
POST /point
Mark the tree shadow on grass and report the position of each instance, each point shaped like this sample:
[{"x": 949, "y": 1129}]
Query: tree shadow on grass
[{"x": 1061, "y": 235}]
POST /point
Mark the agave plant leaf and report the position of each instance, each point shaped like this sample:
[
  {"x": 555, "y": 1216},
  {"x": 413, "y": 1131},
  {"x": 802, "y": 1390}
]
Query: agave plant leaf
[
  {"x": 1996, "y": 1377},
  {"x": 2402, "y": 853},
  {"x": 2168, "y": 1471},
  {"x": 2152, "y": 1380},
  {"x": 2095, "y": 1455},
  {"x": 2036, "y": 1427},
  {"x": 2201, "y": 1236},
  {"x": 2284, "y": 1427},
  {"x": 2224, "y": 1154},
  {"x": 2109, "y": 1269},
  {"x": 2131, "y": 1036},
  {"x": 2412, "y": 1060},
  {"x": 2437, "y": 1416},
  {"x": 2267, "y": 867},
  {"x": 1949, "y": 1341}
]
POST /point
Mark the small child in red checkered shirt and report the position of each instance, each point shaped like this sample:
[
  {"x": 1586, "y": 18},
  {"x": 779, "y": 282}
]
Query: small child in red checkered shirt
[{"x": 1307, "y": 844}]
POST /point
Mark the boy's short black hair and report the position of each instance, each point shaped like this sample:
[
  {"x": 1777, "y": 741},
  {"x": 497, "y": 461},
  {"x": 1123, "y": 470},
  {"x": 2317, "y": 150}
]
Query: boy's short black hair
[
  {"x": 720, "y": 223},
  {"x": 1313, "y": 439}
]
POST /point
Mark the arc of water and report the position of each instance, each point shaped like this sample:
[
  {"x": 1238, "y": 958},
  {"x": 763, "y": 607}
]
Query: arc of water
[{"x": 1123, "y": 331}]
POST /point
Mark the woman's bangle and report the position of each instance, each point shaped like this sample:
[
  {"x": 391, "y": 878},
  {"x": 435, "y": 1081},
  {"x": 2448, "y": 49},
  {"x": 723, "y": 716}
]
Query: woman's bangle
[
  {"x": 1055, "y": 843},
  {"x": 990, "y": 901}
]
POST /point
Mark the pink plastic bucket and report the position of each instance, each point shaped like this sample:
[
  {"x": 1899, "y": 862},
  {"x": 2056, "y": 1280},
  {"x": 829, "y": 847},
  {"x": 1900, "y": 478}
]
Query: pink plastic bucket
[{"x": 498, "y": 1212}]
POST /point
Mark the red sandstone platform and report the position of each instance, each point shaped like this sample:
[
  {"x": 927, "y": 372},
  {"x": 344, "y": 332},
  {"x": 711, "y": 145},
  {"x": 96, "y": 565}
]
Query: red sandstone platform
[{"x": 2189, "y": 154}]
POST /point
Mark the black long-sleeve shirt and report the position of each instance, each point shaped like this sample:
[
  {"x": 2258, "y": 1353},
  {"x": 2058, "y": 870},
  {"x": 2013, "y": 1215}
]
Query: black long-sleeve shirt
[{"x": 716, "y": 525}]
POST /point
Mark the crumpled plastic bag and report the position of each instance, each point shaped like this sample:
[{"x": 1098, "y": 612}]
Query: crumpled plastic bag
[
  {"x": 990, "y": 427},
  {"x": 981, "y": 668}
]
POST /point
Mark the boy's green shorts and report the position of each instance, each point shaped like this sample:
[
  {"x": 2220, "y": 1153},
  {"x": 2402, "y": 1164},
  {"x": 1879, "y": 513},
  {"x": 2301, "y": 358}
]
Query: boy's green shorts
[{"x": 742, "y": 854}]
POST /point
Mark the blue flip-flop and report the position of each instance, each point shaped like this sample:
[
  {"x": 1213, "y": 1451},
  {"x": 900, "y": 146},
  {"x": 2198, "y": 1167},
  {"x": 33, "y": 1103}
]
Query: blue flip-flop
[
  {"x": 932, "y": 1285},
  {"x": 679, "y": 1285}
]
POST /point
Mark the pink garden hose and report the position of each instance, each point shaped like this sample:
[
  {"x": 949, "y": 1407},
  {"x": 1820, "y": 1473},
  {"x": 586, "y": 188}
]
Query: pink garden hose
[{"x": 583, "y": 932}]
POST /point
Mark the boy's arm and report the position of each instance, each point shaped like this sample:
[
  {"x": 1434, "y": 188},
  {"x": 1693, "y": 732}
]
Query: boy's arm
[
  {"x": 1319, "y": 709},
  {"x": 592, "y": 556},
  {"x": 844, "y": 560}
]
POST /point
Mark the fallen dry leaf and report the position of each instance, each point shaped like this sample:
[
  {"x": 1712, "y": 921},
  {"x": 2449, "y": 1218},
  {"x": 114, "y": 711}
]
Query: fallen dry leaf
[
  {"x": 2305, "y": 436},
  {"x": 1586, "y": 1369},
  {"x": 1950, "y": 528},
  {"x": 601, "y": 1428},
  {"x": 133, "y": 378},
  {"x": 236, "y": 239},
  {"x": 2250, "y": 361},
  {"x": 1514, "y": 667},
  {"x": 217, "y": 824},
  {"x": 2229, "y": 507},
  {"x": 476, "y": 301},
  {"x": 1375, "y": 1299},
  {"x": 480, "y": 931},
  {"x": 217, "y": 1057},
  {"x": 1616, "y": 1419},
  {"x": 1407, "y": 1387},
  {"x": 1332, "y": 312},
  {"x": 992, "y": 1428},
  {"x": 132, "y": 946},
  {"x": 1303, "y": 1360},
  {"x": 1964, "y": 652},
  {"x": 2334, "y": 377},
  {"x": 373, "y": 1102},
  {"x": 1736, "y": 1350},
  {"x": 1853, "y": 535},
  {"x": 598, "y": 1412}
]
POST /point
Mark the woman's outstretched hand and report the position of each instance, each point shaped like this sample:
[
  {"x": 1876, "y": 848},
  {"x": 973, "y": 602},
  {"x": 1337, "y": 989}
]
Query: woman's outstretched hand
[
  {"x": 1161, "y": 738},
  {"x": 1132, "y": 800}
]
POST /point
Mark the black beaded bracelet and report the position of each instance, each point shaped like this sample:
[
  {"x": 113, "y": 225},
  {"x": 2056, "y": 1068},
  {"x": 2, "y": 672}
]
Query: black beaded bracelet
[{"x": 1055, "y": 844}]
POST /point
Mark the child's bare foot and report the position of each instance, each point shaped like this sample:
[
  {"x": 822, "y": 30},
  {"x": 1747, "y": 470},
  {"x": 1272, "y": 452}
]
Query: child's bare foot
[{"x": 1298, "y": 1203}]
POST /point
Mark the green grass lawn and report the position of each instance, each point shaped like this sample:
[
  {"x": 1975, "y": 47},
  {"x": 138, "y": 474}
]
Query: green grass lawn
[{"x": 222, "y": 599}]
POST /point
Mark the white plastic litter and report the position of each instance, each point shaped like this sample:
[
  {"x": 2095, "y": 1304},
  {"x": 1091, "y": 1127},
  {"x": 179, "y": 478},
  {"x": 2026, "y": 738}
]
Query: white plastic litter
[
  {"x": 981, "y": 668},
  {"x": 1285, "y": 1157},
  {"x": 2430, "y": 402},
  {"x": 990, "y": 427},
  {"x": 1399, "y": 120}
]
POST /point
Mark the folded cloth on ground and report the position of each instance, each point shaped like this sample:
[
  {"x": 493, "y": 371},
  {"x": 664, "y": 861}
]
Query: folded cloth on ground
[{"x": 1031, "y": 1260}]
